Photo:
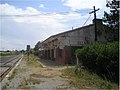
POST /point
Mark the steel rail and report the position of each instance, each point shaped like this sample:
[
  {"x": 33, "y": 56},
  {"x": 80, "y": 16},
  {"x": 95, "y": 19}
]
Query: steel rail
[{"x": 3, "y": 75}]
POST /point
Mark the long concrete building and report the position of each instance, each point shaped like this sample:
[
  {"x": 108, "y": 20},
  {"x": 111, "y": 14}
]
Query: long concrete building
[{"x": 60, "y": 47}]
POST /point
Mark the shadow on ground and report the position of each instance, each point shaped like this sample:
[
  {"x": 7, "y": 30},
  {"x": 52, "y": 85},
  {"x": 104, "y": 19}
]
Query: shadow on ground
[{"x": 49, "y": 63}]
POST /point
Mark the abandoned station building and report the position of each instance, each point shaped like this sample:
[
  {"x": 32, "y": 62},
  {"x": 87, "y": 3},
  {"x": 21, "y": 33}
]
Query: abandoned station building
[{"x": 60, "y": 47}]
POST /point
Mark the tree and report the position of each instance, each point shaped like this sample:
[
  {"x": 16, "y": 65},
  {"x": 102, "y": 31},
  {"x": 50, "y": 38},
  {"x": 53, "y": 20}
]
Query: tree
[
  {"x": 112, "y": 18},
  {"x": 36, "y": 48}
]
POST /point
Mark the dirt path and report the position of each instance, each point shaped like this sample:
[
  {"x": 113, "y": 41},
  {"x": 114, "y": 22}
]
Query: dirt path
[
  {"x": 29, "y": 75},
  {"x": 52, "y": 79}
]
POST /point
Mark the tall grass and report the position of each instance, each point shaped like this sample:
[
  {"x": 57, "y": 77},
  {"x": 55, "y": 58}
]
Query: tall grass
[{"x": 84, "y": 80}]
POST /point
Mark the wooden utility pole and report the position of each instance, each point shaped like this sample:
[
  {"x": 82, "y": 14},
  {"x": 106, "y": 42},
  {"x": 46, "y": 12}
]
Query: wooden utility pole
[{"x": 94, "y": 11}]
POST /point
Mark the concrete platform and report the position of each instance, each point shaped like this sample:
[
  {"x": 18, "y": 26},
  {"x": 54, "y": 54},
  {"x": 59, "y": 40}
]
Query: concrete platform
[{"x": 3, "y": 69}]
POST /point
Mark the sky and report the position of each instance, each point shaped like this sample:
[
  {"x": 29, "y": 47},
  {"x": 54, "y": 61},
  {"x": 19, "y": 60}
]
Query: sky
[{"x": 25, "y": 22}]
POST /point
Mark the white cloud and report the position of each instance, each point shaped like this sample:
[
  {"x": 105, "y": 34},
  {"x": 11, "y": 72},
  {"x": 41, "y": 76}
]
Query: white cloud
[
  {"x": 82, "y": 4},
  {"x": 7, "y": 9},
  {"x": 41, "y": 6},
  {"x": 30, "y": 29},
  {"x": 34, "y": 25},
  {"x": 53, "y": 21}
]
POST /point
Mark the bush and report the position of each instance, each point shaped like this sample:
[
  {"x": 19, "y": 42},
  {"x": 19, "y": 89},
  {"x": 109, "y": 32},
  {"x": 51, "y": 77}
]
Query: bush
[
  {"x": 5, "y": 53},
  {"x": 102, "y": 59}
]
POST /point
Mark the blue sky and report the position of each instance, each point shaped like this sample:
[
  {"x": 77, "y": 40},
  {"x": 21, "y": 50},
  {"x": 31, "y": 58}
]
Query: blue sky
[
  {"x": 50, "y": 5},
  {"x": 17, "y": 32}
]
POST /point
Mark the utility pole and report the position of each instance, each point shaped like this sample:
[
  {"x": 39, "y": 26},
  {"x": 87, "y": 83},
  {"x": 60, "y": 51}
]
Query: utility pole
[{"x": 94, "y": 11}]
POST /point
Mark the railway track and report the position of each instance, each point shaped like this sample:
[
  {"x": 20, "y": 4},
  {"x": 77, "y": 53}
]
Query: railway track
[{"x": 6, "y": 67}]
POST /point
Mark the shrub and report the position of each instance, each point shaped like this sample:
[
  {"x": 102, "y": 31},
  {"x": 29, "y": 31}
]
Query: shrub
[{"x": 102, "y": 59}]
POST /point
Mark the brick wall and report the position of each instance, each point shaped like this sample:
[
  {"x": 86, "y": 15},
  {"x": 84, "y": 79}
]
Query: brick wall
[{"x": 63, "y": 56}]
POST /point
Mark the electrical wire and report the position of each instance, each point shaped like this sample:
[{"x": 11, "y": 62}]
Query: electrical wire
[
  {"x": 87, "y": 19},
  {"x": 44, "y": 15},
  {"x": 40, "y": 14}
]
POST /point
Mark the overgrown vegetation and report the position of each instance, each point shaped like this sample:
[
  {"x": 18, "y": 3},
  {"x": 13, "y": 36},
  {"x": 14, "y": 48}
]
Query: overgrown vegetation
[
  {"x": 87, "y": 80},
  {"x": 8, "y": 53},
  {"x": 102, "y": 59},
  {"x": 32, "y": 65},
  {"x": 5, "y": 53},
  {"x": 31, "y": 81},
  {"x": 32, "y": 60},
  {"x": 36, "y": 48}
]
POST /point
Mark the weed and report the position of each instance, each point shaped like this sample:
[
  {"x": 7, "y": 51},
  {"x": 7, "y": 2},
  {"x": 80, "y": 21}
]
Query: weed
[
  {"x": 4, "y": 87},
  {"x": 13, "y": 74},
  {"x": 22, "y": 86},
  {"x": 39, "y": 76},
  {"x": 33, "y": 60},
  {"x": 33, "y": 80},
  {"x": 83, "y": 79},
  {"x": 25, "y": 84}
]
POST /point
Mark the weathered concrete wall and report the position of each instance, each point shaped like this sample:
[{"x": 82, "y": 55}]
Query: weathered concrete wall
[{"x": 57, "y": 47}]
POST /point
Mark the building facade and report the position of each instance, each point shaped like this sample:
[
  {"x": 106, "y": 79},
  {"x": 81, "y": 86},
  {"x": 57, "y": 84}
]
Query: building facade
[{"x": 60, "y": 47}]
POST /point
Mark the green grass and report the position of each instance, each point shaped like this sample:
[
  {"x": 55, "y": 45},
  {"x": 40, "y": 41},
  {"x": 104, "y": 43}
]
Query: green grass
[{"x": 86, "y": 80}]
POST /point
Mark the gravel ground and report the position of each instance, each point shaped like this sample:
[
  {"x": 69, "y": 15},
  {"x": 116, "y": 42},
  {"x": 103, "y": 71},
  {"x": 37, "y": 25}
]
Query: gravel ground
[{"x": 31, "y": 76}]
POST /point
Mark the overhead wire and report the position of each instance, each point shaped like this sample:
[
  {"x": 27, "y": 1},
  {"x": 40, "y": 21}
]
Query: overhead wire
[
  {"x": 40, "y": 14},
  {"x": 44, "y": 15},
  {"x": 87, "y": 20}
]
